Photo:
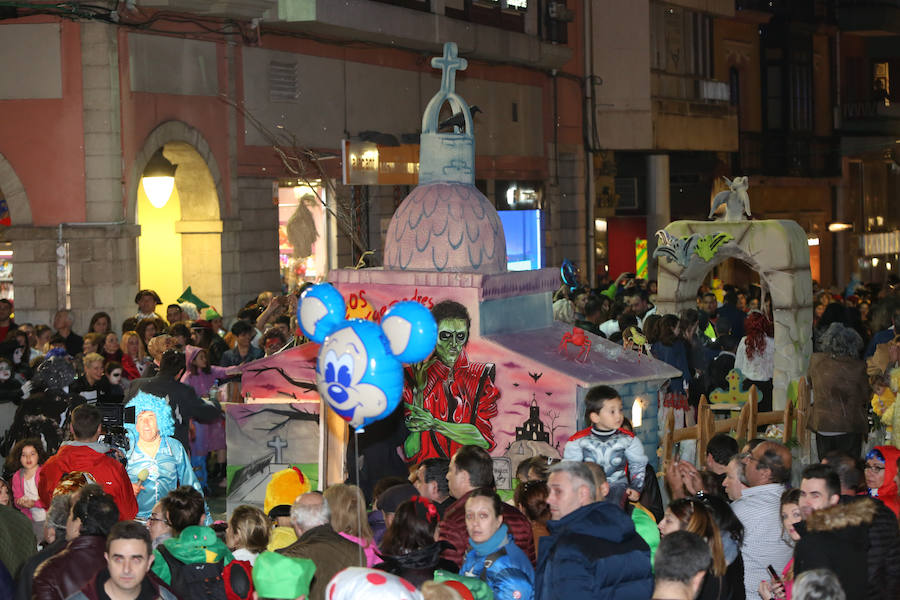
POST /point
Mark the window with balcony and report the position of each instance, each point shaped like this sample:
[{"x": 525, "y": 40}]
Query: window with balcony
[
  {"x": 787, "y": 84},
  {"x": 681, "y": 40},
  {"x": 504, "y": 14}
]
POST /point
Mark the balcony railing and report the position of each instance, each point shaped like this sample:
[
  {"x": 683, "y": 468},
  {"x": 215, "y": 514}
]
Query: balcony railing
[
  {"x": 681, "y": 87},
  {"x": 792, "y": 155},
  {"x": 871, "y": 109}
]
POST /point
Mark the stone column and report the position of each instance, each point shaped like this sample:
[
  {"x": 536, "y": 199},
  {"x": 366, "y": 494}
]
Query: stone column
[
  {"x": 253, "y": 246},
  {"x": 658, "y": 208},
  {"x": 102, "y": 122},
  {"x": 102, "y": 272}
]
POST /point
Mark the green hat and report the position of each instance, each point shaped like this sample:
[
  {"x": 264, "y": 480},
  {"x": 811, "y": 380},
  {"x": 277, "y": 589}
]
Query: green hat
[
  {"x": 211, "y": 313},
  {"x": 283, "y": 577},
  {"x": 478, "y": 589}
]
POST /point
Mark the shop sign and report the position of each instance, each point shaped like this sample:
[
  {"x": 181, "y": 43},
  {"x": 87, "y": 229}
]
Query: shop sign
[{"x": 367, "y": 163}]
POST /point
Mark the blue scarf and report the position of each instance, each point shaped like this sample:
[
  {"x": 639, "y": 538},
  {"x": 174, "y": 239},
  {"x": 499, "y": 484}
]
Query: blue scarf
[{"x": 492, "y": 543}]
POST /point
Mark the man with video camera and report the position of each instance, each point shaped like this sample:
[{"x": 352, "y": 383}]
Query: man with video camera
[{"x": 86, "y": 454}]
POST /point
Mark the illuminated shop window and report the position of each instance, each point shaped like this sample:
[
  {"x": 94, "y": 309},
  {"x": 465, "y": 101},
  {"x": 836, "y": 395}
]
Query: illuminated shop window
[{"x": 302, "y": 232}]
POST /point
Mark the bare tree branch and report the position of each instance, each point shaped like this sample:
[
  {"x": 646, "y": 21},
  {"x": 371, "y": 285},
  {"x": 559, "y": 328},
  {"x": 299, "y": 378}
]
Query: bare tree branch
[{"x": 301, "y": 162}]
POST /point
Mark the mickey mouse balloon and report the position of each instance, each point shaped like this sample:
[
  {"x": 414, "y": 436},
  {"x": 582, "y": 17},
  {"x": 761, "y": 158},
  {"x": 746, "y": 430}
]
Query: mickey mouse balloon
[{"x": 359, "y": 371}]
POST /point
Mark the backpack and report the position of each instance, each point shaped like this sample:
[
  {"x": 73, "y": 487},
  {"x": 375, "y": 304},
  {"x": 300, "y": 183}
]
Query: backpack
[{"x": 195, "y": 580}]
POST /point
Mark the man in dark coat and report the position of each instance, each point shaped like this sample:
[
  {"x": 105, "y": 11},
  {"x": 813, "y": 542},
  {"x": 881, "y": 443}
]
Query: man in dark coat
[
  {"x": 593, "y": 550},
  {"x": 185, "y": 403},
  {"x": 883, "y": 558},
  {"x": 735, "y": 316},
  {"x": 317, "y": 541},
  {"x": 470, "y": 468},
  {"x": 93, "y": 516}
]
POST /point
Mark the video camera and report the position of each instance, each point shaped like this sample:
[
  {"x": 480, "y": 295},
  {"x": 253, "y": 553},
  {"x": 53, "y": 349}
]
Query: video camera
[{"x": 114, "y": 417}]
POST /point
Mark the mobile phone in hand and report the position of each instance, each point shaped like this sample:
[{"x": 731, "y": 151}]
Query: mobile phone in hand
[{"x": 774, "y": 575}]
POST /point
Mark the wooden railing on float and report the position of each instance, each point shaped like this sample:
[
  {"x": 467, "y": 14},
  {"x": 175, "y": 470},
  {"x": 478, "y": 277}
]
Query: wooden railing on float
[{"x": 743, "y": 427}]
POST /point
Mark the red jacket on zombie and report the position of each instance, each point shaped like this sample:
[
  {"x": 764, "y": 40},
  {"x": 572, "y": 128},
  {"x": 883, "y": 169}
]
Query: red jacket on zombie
[
  {"x": 468, "y": 395},
  {"x": 108, "y": 472}
]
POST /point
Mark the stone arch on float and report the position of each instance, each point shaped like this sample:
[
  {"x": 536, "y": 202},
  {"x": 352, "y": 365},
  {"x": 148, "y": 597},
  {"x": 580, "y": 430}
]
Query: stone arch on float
[
  {"x": 194, "y": 215},
  {"x": 779, "y": 252},
  {"x": 13, "y": 191}
]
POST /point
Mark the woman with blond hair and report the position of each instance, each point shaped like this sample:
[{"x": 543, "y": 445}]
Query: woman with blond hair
[
  {"x": 247, "y": 533},
  {"x": 349, "y": 518},
  {"x": 133, "y": 356}
]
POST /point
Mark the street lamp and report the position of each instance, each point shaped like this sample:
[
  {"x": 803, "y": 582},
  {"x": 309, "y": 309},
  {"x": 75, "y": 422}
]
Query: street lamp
[{"x": 158, "y": 179}]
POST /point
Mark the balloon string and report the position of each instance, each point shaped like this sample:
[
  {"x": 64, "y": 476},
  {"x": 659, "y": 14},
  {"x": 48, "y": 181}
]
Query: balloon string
[{"x": 359, "y": 507}]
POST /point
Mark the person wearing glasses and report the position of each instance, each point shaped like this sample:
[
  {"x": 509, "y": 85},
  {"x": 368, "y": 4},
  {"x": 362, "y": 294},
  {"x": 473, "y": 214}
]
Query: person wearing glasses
[
  {"x": 158, "y": 524},
  {"x": 881, "y": 476},
  {"x": 767, "y": 469}
]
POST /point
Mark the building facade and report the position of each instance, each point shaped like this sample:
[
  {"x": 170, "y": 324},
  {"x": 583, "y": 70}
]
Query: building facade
[{"x": 252, "y": 101}]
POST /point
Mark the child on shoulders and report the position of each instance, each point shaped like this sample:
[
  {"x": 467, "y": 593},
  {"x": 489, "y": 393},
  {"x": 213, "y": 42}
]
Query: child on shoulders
[{"x": 617, "y": 450}]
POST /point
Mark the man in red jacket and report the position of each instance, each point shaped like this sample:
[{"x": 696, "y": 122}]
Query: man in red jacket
[
  {"x": 86, "y": 454},
  {"x": 471, "y": 467}
]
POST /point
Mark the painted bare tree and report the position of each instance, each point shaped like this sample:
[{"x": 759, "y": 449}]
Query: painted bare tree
[{"x": 554, "y": 415}]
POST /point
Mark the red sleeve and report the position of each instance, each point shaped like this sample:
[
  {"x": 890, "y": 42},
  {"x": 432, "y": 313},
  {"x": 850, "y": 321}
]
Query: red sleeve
[
  {"x": 37, "y": 481},
  {"x": 50, "y": 476},
  {"x": 453, "y": 530},
  {"x": 130, "y": 368},
  {"x": 487, "y": 410},
  {"x": 520, "y": 527},
  {"x": 123, "y": 493}
]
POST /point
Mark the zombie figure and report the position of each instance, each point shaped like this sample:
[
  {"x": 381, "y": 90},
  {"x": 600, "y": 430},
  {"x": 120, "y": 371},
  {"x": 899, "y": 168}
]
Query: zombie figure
[{"x": 450, "y": 400}]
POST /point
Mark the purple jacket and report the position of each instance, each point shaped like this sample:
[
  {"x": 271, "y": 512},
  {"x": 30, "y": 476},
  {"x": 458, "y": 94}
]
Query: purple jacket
[{"x": 200, "y": 381}]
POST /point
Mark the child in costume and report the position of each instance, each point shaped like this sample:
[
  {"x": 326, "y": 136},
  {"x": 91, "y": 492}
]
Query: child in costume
[
  {"x": 615, "y": 449},
  {"x": 281, "y": 491},
  {"x": 157, "y": 462}
]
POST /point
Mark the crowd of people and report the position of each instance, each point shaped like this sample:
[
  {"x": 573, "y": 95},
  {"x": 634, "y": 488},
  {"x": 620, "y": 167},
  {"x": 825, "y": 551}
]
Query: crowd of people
[{"x": 86, "y": 515}]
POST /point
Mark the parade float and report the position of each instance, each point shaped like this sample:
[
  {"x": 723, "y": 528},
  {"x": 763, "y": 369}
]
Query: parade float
[
  {"x": 504, "y": 375},
  {"x": 779, "y": 252}
]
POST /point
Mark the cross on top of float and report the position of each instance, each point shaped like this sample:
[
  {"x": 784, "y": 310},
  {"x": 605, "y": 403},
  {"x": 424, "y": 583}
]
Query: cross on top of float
[{"x": 447, "y": 156}]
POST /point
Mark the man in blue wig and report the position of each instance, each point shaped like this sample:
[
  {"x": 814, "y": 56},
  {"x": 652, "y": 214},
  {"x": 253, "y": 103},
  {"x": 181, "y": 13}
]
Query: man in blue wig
[{"x": 157, "y": 462}]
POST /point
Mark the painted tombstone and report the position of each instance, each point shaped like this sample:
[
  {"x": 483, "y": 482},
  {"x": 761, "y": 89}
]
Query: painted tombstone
[{"x": 266, "y": 438}]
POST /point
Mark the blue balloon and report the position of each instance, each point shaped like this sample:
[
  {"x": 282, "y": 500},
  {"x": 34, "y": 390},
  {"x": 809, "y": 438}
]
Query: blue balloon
[
  {"x": 320, "y": 311},
  {"x": 359, "y": 371},
  {"x": 568, "y": 272},
  {"x": 357, "y": 375},
  {"x": 411, "y": 330}
]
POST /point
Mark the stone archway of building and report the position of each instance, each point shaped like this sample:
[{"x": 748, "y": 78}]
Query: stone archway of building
[
  {"x": 779, "y": 252},
  {"x": 181, "y": 243},
  {"x": 14, "y": 192}
]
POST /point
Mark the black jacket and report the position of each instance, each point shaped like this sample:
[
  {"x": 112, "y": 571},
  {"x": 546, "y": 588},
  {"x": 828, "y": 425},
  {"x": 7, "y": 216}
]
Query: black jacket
[
  {"x": 418, "y": 566},
  {"x": 884, "y": 551},
  {"x": 837, "y": 538},
  {"x": 185, "y": 403}
]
